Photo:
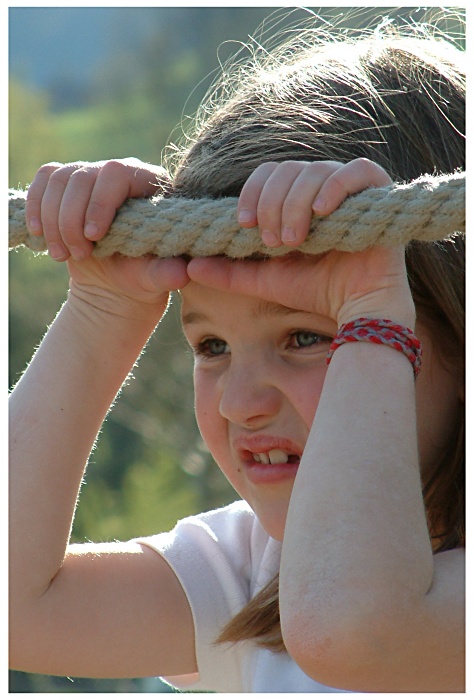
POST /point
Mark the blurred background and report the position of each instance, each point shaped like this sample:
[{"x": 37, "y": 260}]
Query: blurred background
[{"x": 90, "y": 83}]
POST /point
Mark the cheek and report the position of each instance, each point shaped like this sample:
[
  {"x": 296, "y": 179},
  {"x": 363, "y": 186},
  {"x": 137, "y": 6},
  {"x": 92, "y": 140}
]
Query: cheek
[
  {"x": 307, "y": 393},
  {"x": 437, "y": 408},
  {"x": 302, "y": 390},
  {"x": 206, "y": 405}
]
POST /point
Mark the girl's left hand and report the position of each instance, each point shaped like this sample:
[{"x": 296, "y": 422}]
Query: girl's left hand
[{"x": 281, "y": 198}]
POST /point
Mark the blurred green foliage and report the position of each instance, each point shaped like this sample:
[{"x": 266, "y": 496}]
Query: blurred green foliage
[{"x": 150, "y": 466}]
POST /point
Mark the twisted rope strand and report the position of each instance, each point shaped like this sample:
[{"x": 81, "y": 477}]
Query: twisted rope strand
[{"x": 430, "y": 208}]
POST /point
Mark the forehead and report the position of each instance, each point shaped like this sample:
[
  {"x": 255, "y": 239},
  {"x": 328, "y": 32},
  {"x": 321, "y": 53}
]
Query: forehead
[
  {"x": 199, "y": 301},
  {"x": 201, "y": 304},
  {"x": 257, "y": 309}
]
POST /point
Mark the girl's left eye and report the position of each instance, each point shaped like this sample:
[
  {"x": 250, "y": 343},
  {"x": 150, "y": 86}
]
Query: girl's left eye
[{"x": 306, "y": 339}]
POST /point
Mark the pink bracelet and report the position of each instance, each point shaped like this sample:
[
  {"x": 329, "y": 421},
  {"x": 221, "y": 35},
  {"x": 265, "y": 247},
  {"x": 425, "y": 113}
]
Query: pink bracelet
[{"x": 382, "y": 332}]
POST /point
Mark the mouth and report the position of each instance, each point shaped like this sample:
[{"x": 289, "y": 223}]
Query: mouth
[
  {"x": 268, "y": 460},
  {"x": 275, "y": 456}
]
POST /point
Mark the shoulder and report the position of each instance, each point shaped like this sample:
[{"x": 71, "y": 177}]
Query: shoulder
[
  {"x": 223, "y": 525},
  {"x": 230, "y": 536},
  {"x": 227, "y": 546}
]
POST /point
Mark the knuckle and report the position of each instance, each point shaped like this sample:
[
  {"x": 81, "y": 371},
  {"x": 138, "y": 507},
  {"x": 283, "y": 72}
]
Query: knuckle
[
  {"x": 265, "y": 169},
  {"x": 51, "y": 235},
  {"x": 60, "y": 176},
  {"x": 37, "y": 187},
  {"x": 50, "y": 224},
  {"x": 267, "y": 165},
  {"x": 34, "y": 196},
  {"x": 267, "y": 214},
  {"x": 339, "y": 182},
  {"x": 70, "y": 231},
  {"x": 364, "y": 165},
  {"x": 363, "y": 162},
  {"x": 292, "y": 210},
  {"x": 323, "y": 167},
  {"x": 114, "y": 167},
  {"x": 98, "y": 209},
  {"x": 83, "y": 172},
  {"x": 49, "y": 168},
  {"x": 291, "y": 167},
  {"x": 369, "y": 171}
]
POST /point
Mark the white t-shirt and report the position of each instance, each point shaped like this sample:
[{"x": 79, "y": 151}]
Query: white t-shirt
[{"x": 222, "y": 559}]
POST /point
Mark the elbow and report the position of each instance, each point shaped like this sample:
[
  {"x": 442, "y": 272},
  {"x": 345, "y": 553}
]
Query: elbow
[
  {"x": 17, "y": 642},
  {"x": 26, "y": 616},
  {"x": 319, "y": 652},
  {"x": 346, "y": 652}
]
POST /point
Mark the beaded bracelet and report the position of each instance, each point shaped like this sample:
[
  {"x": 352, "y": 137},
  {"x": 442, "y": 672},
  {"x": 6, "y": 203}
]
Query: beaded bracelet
[{"x": 382, "y": 332}]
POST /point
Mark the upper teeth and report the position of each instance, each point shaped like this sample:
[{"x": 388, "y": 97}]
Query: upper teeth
[{"x": 271, "y": 457}]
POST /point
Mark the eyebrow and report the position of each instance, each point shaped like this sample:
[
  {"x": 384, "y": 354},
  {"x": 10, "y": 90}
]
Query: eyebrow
[{"x": 264, "y": 309}]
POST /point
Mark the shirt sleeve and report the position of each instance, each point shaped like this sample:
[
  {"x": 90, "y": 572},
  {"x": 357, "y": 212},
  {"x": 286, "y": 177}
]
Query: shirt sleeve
[{"x": 211, "y": 555}]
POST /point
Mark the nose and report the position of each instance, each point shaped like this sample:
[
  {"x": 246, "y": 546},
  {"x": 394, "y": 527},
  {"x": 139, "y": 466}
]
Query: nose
[{"x": 248, "y": 397}]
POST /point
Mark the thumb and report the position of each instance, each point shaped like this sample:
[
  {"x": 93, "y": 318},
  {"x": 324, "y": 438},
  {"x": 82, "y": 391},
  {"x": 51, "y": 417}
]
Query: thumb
[
  {"x": 165, "y": 274},
  {"x": 238, "y": 276}
]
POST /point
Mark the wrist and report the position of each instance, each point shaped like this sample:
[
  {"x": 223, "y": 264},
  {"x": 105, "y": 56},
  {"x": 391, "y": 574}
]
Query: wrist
[
  {"x": 400, "y": 310},
  {"x": 107, "y": 320},
  {"x": 114, "y": 307},
  {"x": 380, "y": 332}
]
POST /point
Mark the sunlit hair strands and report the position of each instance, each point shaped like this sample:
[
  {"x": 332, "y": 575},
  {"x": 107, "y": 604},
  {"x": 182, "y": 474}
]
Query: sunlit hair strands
[
  {"x": 392, "y": 92},
  {"x": 395, "y": 95}
]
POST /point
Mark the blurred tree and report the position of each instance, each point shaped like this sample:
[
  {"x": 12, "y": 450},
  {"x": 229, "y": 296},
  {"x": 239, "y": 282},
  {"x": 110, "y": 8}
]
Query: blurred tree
[{"x": 31, "y": 132}]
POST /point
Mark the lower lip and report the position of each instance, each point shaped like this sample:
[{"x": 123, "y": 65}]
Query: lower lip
[{"x": 259, "y": 473}]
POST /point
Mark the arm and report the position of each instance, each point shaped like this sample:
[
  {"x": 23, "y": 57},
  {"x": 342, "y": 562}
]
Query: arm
[
  {"x": 371, "y": 608},
  {"x": 364, "y": 604},
  {"x": 105, "y": 610}
]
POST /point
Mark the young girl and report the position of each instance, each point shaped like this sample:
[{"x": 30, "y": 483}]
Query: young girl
[{"x": 342, "y": 566}]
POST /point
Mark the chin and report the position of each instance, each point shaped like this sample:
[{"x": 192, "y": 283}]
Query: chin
[{"x": 274, "y": 527}]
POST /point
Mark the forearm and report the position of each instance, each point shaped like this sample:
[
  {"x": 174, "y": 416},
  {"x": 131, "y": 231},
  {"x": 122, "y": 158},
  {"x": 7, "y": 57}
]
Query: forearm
[
  {"x": 356, "y": 548},
  {"x": 56, "y": 411}
]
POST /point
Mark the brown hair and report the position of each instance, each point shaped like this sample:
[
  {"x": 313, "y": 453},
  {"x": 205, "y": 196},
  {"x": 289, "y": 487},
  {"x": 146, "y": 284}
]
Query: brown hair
[{"x": 396, "y": 96}]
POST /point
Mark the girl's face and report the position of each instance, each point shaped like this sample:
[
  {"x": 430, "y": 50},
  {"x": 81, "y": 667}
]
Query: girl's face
[{"x": 258, "y": 374}]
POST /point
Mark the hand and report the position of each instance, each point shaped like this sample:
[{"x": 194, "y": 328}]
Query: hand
[
  {"x": 74, "y": 204},
  {"x": 281, "y": 199}
]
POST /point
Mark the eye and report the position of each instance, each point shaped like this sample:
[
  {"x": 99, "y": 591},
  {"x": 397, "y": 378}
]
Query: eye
[
  {"x": 306, "y": 339},
  {"x": 212, "y": 347}
]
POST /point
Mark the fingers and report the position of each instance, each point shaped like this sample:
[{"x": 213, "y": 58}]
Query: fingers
[
  {"x": 168, "y": 274},
  {"x": 259, "y": 278},
  {"x": 143, "y": 278},
  {"x": 352, "y": 178},
  {"x": 43, "y": 204},
  {"x": 251, "y": 192},
  {"x": 297, "y": 208},
  {"x": 73, "y": 205},
  {"x": 62, "y": 212},
  {"x": 35, "y": 196},
  {"x": 223, "y": 273},
  {"x": 110, "y": 189},
  {"x": 281, "y": 198}
]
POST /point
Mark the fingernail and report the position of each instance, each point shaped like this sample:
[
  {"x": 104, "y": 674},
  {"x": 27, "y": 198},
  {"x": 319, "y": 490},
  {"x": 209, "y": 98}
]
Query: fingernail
[
  {"x": 270, "y": 239},
  {"x": 319, "y": 204},
  {"x": 245, "y": 216},
  {"x": 58, "y": 252},
  {"x": 34, "y": 225},
  {"x": 90, "y": 230},
  {"x": 288, "y": 235}
]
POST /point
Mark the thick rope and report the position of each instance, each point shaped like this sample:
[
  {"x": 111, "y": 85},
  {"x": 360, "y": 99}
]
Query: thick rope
[{"x": 427, "y": 209}]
